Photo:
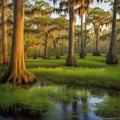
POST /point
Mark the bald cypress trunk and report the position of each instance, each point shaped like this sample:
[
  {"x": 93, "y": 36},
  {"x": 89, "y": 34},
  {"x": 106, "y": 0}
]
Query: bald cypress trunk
[
  {"x": 17, "y": 73},
  {"x": 56, "y": 50},
  {"x": 85, "y": 40},
  {"x": 97, "y": 32},
  {"x": 34, "y": 52},
  {"x": 82, "y": 54},
  {"x": 71, "y": 60},
  {"x": 62, "y": 52},
  {"x": 46, "y": 47},
  {"x": 4, "y": 33},
  {"x": 111, "y": 56}
]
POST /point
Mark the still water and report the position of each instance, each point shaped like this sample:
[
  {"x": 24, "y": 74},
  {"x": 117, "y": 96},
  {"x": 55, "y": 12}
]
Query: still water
[{"x": 80, "y": 109}]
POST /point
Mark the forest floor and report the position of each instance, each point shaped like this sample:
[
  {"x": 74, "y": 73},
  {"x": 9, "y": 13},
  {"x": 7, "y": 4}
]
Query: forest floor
[{"x": 92, "y": 71}]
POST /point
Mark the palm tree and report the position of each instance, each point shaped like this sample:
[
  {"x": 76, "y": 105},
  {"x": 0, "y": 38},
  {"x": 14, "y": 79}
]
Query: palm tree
[
  {"x": 111, "y": 56},
  {"x": 17, "y": 72},
  {"x": 4, "y": 32}
]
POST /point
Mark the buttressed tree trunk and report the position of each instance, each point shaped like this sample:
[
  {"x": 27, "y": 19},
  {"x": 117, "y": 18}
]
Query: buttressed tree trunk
[
  {"x": 82, "y": 55},
  {"x": 111, "y": 57},
  {"x": 17, "y": 73},
  {"x": 71, "y": 60},
  {"x": 4, "y": 33}
]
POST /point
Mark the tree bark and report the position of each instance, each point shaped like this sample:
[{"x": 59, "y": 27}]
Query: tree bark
[
  {"x": 4, "y": 33},
  {"x": 71, "y": 60},
  {"x": 97, "y": 31},
  {"x": 46, "y": 47},
  {"x": 17, "y": 72},
  {"x": 82, "y": 54},
  {"x": 85, "y": 40},
  {"x": 35, "y": 52},
  {"x": 62, "y": 52},
  {"x": 56, "y": 50},
  {"x": 111, "y": 56}
]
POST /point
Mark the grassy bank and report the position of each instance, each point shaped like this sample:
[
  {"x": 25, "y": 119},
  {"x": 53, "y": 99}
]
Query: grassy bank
[
  {"x": 91, "y": 71},
  {"x": 96, "y": 77}
]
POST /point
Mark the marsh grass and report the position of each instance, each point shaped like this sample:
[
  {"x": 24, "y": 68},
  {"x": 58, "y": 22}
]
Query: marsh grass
[
  {"x": 91, "y": 71},
  {"x": 89, "y": 61},
  {"x": 16, "y": 100},
  {"x": 108, "y": 77},
  {"x": 34, "y": 100},
  {"x": 109, "y": 108}
]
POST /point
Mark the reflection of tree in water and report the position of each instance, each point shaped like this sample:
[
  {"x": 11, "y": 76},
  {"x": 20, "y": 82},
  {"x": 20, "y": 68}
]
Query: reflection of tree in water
[
  {"x": 75, "y": 110},
  {"x": 82, "y": 111},
  {"x": 78, "y": 109}
]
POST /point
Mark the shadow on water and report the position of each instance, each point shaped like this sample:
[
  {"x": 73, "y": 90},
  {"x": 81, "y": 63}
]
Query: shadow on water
[{"x": 82, "y": 106}]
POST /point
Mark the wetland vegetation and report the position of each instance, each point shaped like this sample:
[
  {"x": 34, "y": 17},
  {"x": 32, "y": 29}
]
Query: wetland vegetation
[{"x": 54, "y": 66}]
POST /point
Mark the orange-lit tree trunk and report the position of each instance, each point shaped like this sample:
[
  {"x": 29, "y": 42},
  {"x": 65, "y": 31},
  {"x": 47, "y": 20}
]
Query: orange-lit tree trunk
[
  {"x": 17, "y": 73},
  {"x": 71, "y": 60},
  {"x": 111, "y": 57},
  {"x": 4, "y": 33}
]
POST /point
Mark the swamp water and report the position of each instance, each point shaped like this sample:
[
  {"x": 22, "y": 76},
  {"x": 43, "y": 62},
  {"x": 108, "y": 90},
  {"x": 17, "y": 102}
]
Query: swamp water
[{"x": 73, "y": 103}]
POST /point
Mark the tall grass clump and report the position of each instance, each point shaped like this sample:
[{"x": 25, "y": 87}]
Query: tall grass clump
[
  {"x": 34, "y": 100},
  {"x": 108, "y": 77},
  {"x": 16, "y": 100},
  {"x": 109, "y": 108}
]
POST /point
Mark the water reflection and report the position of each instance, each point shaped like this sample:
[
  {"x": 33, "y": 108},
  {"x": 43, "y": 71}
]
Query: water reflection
[{"x": 80, "y": 108}]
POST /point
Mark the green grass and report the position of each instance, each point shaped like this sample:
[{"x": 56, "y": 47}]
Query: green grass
[
  {"x": 107, "y": 78},
  {"x": 35, "y": 100},
  {"x": 91, "y": 71},
  {"x": 20, "y": 100},
  {"x": 89, "y": 61}
]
